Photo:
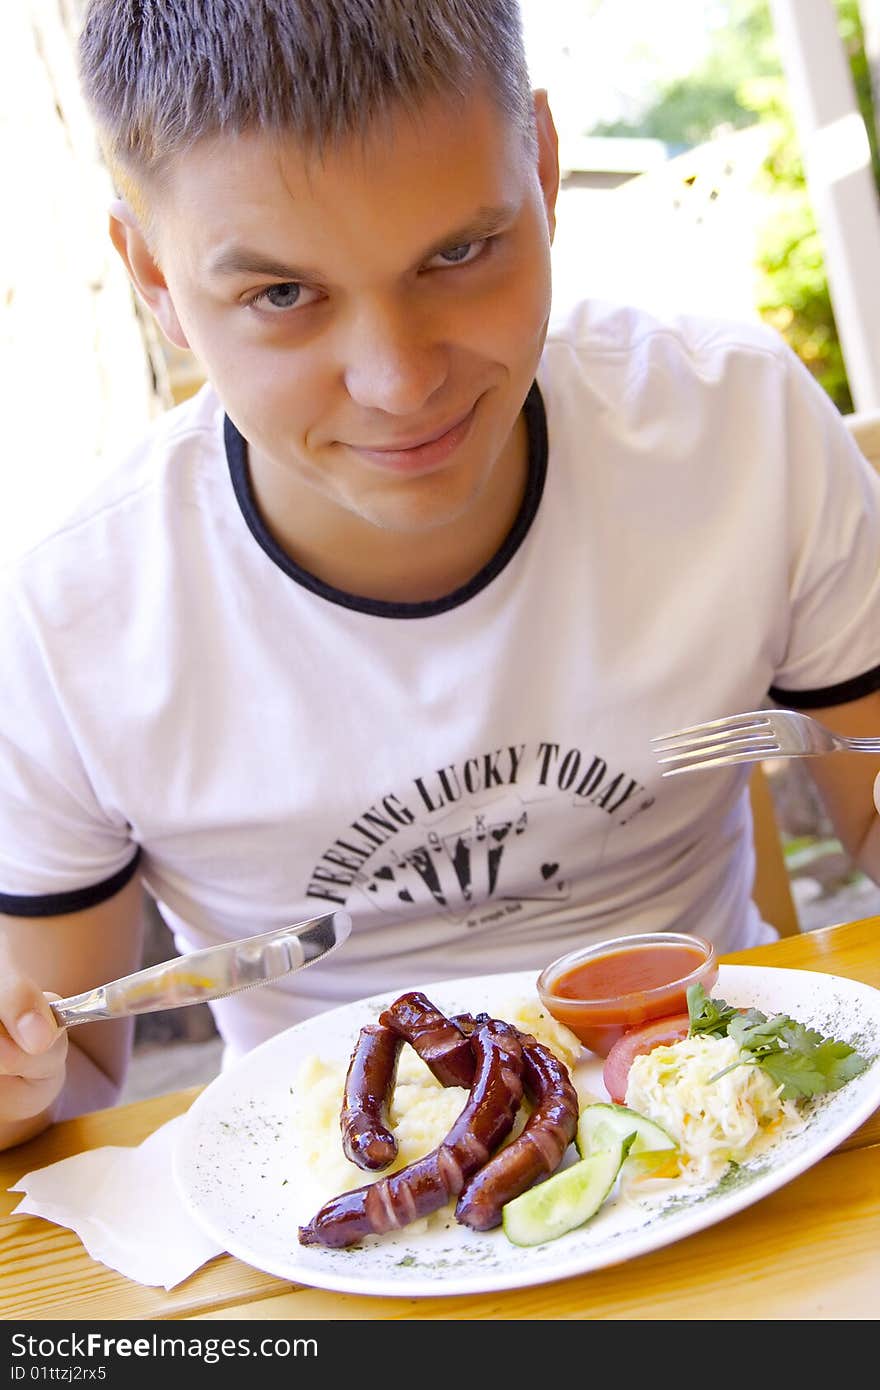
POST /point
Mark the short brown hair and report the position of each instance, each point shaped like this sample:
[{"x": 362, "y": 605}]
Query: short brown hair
[{"x": 159, "y": 75}]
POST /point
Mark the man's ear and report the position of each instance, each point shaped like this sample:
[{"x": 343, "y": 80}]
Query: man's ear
[
  {"x": 548, "y": 155},
  {"x": 144, "y": 270}
]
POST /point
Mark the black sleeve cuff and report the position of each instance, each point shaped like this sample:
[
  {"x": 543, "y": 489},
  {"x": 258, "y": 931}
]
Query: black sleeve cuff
[
  {"x": 829, "y": 695},
  {"x": 75, "y": 900}
]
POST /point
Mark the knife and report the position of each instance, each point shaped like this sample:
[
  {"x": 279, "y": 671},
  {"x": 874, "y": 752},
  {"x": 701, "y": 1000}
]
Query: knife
[{"x": 210, "y": 974}]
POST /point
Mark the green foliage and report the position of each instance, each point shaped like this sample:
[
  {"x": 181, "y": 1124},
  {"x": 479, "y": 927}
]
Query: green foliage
[
  {"x": 739, "y": 82},
  {"x": 792, "y": 292},
  {"x": 853, "y": 35},
  {"x": 686, "y": 110}
]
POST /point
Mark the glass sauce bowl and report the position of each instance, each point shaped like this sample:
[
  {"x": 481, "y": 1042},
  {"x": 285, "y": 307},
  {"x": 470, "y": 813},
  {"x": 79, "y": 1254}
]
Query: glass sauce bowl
[{"x": 602, "y": 990}]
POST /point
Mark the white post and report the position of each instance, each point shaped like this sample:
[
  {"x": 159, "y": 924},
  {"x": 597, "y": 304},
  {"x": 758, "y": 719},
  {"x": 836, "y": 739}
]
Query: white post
[{"x": 839, "y": 179}]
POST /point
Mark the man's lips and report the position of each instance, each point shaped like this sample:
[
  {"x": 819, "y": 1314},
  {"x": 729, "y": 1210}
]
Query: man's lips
[{"x": 426, "y": 451}]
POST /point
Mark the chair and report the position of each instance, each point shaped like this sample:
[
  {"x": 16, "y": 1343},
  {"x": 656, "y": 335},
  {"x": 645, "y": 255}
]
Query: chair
[
  {"x": 771, "y": 890},
  {"x": 864, "y": 426},
  {"x": 772, "y": 887}
]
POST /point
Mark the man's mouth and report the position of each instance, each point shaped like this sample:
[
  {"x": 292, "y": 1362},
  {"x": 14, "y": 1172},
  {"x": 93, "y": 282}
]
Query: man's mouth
[{"x": 425, "y": 450}]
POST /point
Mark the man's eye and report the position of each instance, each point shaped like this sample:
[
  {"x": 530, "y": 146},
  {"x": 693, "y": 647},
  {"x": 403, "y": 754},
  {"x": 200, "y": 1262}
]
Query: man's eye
[
  {"x": 289, "y": 295},
  {"x": 459, "y": 255}
]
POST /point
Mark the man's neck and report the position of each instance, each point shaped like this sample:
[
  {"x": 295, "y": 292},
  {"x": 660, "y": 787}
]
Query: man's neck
[{"x": 345, "y": 551}]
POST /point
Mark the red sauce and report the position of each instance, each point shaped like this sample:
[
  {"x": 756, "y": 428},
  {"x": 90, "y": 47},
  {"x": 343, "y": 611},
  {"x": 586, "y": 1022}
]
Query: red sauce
[
  {"x": 621, "y": 972},
  {"x": 603, "y": 996}
]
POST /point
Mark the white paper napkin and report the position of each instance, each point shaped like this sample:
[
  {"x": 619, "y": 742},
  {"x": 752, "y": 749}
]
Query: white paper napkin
[{"x": 124, "y": 1206}]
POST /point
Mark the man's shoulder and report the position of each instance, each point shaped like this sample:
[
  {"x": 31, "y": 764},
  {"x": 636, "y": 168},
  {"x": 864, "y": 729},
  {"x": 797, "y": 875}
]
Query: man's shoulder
[
  {"x": 181, "y": 444},
  {"x": 626, "y": 336},
  {"x": 636, "y": 381},
  {"x": 187, "y": 436},
  {"x": 124, "y": 524}
]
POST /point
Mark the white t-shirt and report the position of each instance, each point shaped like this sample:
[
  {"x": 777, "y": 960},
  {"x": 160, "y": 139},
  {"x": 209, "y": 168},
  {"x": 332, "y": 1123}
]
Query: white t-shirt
[{"x": 470, "y": 778}]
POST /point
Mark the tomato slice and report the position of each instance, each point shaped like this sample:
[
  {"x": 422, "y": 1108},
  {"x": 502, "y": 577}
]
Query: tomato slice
[{"x": 636, "y": 1041}]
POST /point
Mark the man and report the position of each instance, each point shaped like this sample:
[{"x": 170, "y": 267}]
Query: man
[{"x": 386, "y": 616}]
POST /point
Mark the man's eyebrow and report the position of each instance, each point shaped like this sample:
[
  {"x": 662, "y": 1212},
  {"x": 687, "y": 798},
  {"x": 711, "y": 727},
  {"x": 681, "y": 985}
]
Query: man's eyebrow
[
  {"x": 242, "y": 260},
  {"x": 245, "y": 260},
  {"x": 484, "y": 223}
]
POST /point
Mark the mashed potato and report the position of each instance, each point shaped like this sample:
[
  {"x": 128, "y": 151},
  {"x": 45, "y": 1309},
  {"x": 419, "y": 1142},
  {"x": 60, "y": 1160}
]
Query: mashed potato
[
  {"x": 530, "y": 1016},
  {"x": 421, "y": 1113},
  {"x": 715, "y": 1122}
]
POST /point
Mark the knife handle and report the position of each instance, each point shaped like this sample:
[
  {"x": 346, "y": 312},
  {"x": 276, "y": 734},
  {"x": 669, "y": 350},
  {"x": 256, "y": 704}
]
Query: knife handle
[{"x": 81, "y": 1008}]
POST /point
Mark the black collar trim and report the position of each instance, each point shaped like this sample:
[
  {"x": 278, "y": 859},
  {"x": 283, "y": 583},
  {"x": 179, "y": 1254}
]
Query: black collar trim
[{"x": 536, "y": 422}]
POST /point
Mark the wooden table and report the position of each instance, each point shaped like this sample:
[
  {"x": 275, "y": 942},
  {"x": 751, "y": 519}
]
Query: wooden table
[{"x": 810, "y": 1250}]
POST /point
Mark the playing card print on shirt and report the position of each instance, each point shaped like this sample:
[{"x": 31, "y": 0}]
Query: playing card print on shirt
[
  {"x": 456, "y": 870},
  {"x": 470, "y": 840}
]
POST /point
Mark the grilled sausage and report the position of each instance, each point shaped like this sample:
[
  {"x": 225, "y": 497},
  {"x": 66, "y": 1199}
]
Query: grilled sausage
[
  {"x": 536, "y": 1152},
  {"x": 426, "y": 1185},
  {"x": 440, "y": 1044},
  {"x": 369, "y": 1084}
]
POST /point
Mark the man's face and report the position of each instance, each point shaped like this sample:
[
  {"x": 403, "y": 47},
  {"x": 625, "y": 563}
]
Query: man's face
[{"x": 372, "y": 320}]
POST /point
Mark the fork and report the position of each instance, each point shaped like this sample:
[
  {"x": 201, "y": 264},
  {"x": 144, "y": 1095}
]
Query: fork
[{"x": 750, "y": 738}]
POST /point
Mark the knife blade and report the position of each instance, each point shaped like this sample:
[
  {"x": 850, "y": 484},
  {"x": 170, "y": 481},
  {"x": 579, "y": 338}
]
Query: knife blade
[{"x": 213, "y": 973}]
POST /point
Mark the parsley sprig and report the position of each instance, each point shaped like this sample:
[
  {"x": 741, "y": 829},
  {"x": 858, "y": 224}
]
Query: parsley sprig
[{"x": 797, "y": 1058}]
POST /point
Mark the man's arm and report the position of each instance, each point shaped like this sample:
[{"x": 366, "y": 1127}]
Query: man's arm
[
  {"x": 846, "y": 781},
  {"x": 44, "y": 1074}
]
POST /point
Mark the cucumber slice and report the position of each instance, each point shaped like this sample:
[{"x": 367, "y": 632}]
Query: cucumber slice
[
  {"x": 599, "y": 1123},
  {"x": 652, "y": 1163},
  {"x": 563, "y": 1201}
]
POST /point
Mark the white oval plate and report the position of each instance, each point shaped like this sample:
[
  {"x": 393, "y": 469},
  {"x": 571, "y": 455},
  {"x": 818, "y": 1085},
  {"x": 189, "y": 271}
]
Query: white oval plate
[{"x": 237, "y": 1168}]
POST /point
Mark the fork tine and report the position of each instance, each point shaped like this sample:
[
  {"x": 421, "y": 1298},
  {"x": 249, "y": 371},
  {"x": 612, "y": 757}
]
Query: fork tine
[
  {"x": 756, "y": 719},
  {"x": 716, "y": 742},
  {"x": 724, "y": 760},
  {"x": 719, "y": 743},
  {"x": 754, "y": 748}
]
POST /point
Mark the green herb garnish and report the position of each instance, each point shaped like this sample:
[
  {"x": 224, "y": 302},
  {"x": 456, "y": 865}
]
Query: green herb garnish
[
  {"x": 708, "y": 1015},
  {"x": 797, "y": 1058}
]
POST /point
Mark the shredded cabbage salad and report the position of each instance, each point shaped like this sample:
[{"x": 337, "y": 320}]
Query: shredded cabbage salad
[{"x": 715, "y": 1119}]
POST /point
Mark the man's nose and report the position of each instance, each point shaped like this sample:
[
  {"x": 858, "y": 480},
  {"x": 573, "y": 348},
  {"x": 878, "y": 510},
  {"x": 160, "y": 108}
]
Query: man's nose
[{"x": 394, "y": 362}]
